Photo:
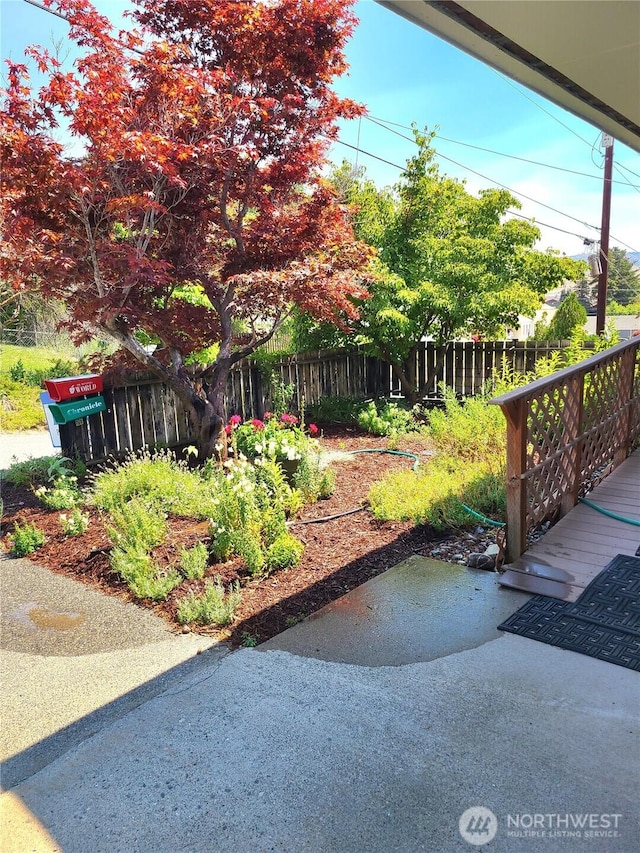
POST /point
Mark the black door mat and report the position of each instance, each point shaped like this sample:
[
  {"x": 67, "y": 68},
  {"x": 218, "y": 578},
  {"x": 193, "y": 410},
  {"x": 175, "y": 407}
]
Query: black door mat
[{"x": 603, "y": 623}]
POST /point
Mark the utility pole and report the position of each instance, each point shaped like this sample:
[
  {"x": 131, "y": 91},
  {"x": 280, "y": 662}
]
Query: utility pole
[{"x": 607, "y": 142}]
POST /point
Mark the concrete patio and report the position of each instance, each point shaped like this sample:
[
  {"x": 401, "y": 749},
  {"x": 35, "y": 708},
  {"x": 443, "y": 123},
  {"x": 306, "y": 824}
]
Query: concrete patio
[{"x": 349, "y": 732}]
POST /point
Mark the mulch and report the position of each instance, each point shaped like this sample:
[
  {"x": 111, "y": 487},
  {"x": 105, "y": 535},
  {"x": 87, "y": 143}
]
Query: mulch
[{"x": 340, "y": 553}]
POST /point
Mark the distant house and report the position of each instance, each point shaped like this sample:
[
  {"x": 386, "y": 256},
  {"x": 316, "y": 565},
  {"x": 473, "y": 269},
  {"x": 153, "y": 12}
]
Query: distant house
[{"x": 626, "y": 325}]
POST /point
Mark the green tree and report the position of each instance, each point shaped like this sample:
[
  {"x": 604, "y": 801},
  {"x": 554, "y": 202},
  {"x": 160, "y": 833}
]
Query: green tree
[
  {"x": 584, "y": 293},
  {"x": 448, "y": 264},
  {"x": 569, "y": 316},
  {"x": 623, "y": 284}
]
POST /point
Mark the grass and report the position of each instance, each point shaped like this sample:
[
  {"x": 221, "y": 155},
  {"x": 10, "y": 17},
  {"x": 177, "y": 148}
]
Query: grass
[{"x": 22, "y": 371}]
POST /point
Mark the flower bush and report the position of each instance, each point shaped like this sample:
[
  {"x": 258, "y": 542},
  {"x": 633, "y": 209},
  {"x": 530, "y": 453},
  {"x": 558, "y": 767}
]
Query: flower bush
[
  {"x": 279, "y": 438},
  {"x": 64, "y": 494}
]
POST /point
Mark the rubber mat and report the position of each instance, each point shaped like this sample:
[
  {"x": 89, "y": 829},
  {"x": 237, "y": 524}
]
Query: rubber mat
[{"x": 603, "y": 623}]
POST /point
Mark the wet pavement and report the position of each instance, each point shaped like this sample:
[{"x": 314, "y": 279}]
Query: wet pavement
[{"x": 409, "y": 614}]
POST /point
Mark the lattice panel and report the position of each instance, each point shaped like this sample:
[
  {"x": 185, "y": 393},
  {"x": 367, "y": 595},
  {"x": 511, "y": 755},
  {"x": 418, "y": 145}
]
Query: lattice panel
[
  {"x": 550, "y": 418},
  {"x": 554, "y": 417}
]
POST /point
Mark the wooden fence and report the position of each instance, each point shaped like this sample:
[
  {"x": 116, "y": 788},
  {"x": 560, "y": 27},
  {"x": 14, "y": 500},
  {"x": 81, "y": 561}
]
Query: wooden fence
[
  {"x": 565, "y": 433},
  {"x": 145, "y": 412}
]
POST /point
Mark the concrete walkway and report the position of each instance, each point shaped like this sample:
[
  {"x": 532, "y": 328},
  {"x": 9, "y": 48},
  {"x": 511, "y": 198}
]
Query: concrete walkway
[
  {"x": 315, "y": 744},
  {"x": 23, "y": 445}
]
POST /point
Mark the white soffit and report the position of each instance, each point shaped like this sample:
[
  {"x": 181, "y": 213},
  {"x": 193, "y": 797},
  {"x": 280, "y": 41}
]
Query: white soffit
[{"x": 581, "y": 54}]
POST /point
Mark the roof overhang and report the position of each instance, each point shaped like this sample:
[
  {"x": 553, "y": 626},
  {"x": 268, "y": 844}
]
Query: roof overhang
[{"x": 581, "y": 54}]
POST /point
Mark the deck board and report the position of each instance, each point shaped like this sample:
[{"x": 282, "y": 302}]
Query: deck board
[{"x": 584, "y": 541}]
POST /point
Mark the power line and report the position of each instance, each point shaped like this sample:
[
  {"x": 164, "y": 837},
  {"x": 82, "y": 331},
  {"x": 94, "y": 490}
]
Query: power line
[
  {"x": 546, "y": 225},
  {"x": 382, "y": 123},
  {"x": 627, "y": 169},
  {"x": 515, "y": 192},
  {"x": 512, "y": 212},
  {"x": 540, "y": 107}
]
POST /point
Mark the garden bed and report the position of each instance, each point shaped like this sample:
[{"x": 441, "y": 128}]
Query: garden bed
[{"x": 340, "y": 554}]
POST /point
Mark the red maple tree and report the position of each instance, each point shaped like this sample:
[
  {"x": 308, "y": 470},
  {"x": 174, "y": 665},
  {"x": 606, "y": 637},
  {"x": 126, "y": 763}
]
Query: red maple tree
[{"x": 195, "y": 211}]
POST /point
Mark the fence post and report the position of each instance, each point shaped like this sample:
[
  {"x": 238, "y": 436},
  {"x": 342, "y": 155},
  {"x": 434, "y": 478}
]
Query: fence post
[
  {"x": 627, "y": 379},
  {"x": 516, "y": 415}
]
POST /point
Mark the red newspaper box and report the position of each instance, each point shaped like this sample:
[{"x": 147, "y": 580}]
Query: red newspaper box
[{"x": 70, "y": 387}]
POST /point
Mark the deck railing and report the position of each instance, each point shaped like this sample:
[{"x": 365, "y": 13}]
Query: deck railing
[{"x": 565, "y": 433}]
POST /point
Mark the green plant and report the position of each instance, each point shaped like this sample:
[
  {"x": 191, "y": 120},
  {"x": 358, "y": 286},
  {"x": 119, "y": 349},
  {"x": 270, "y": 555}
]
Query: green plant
[
  {"x": 141, "y": 575},
  {"x": 161, "y": 481},
  {"x": 64, "y": 494},
  {"x": 469, "y": 430},
  {"x": 193, "y": 562},
  {"x": 335, "y": 410},
  {"x": 75, "y": 524},
  {"x": 436, "y": 494},
  {"x": 312, "y": 480},
  {"x": 31, "y": 472},
  {"x": 136, "y": 526},
  {"x": 285, "y": 553},
  {"x": 25, "y": 539},
  {"x": 212, "y": 607},
  {"x": 17, "y": 371},
  {"x": 385, "y": 419},
  {"x": 248, "y": 640}
]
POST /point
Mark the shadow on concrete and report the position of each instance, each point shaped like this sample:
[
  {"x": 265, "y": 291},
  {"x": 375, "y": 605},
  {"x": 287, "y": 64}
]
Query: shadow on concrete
[{"x": 24, "y": 764}]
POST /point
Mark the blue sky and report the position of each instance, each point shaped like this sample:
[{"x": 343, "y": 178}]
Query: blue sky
[{"x": 404, "y": 74}]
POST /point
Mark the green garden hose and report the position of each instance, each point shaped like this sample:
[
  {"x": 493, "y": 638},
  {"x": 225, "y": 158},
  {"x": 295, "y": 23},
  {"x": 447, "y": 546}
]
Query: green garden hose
[
  {"x": 482, "y": 517},
  {"x": 393, "y": 452},
  {"x": 610, "y": 514}
]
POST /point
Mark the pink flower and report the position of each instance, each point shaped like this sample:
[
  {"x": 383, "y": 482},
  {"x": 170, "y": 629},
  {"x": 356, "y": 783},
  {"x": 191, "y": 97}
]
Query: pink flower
[
  {"x": 228, "y": 429},
  {"x": 268, "y": 416},
  {"x": 257, "y": 424},
  {"x": 234, "y": 420},
  {"x": 288, "y": 419},
  {"x": 313, "y": 429}
]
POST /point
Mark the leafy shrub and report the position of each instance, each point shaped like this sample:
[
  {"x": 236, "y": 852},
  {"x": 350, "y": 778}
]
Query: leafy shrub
[
  {"x": 20, "y": 405},
  {"x": 64, "y": 494},
  {"x": 335, "y": 410},
  {"x": 137, "y": 526},
  {"x": 75, "y": 524},
  {"x": 212, "y": 607},
  {"x": 251, "y": 506},
  {"x": 161, "y": 481},
  {"x": 141, "y": 575},
  {"x": 284, "y": 553},
  {"x": 312, "y": 480},
  {"x": 25, "y": 539},
  {"x": 470, "y": 430},
  {"x": 385, "y": 419},
  {"x": 17, "y": 371},
  {"x": 193, "y": 562},
  {"x": 247, "y": 544},
  {"x": 436, "y": 494},
  {"x": 33, "y": 472}
]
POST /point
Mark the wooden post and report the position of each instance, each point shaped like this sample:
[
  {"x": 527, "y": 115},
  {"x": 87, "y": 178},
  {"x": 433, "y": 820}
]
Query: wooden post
[
  {"x": 516, "y": 415},
  {"x": 627, "y": 379}
]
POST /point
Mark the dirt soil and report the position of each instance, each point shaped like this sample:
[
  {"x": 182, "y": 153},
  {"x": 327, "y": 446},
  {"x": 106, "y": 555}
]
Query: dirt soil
[{"x": 340, "y": 554}]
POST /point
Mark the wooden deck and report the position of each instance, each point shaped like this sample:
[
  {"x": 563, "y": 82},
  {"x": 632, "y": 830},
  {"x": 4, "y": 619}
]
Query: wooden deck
[{"x": 584, "y": 541}]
